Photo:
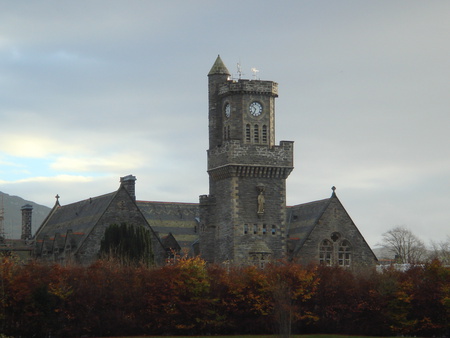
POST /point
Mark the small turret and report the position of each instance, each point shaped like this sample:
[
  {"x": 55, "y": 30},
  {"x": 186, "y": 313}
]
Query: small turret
[{"x": 219, "y": 68}]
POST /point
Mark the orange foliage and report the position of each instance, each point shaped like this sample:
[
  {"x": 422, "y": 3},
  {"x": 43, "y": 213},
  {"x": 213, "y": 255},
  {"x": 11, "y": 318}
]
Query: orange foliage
[{"x": 190, "y": 297}]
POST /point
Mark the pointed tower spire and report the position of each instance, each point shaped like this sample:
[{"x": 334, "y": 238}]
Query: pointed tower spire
[{"x": 219, "y": 68}]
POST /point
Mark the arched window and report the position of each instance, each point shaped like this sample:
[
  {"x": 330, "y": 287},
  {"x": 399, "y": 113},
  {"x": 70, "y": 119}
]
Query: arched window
[
  {"x": 247, "y": 133},
  {"x": 264, "y": 134},
  {"x": 256, "y": 133},
  {"x": 345, "y": 254},
  {"x": 226, "y": 132},
  {"x": 274, "y": 229},
  {"x": 259, "y": 260},
  {"x": 326, "y": 252},
  {"x": 245, "y": 229}
]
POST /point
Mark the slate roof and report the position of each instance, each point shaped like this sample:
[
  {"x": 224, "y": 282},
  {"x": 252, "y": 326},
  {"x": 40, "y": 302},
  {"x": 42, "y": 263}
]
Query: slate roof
[
  {"x": 77, "y": 218},
  {"x": 170, "y": 243},
  {"x": 302, "y": 218},
  {"x": 179, "y": 219},
  {"x": 219, "y": 67}
]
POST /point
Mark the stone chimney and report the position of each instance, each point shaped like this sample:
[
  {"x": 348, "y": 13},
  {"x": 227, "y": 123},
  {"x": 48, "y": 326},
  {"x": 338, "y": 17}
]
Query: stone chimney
[
  {"x": 129, "y": 183},
  {"x": 27, "y": 210}
]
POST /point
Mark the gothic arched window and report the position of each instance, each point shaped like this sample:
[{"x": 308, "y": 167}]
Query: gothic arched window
[
  {"x": 247, "y": 133},
  {"x": 264, "y": 134},
  {"x": 226, "y": 132},
  {"x": 326, "y": 252},
  {"x": 345, "y": 254},
  {"x": 256, "y": 133},
  {"x": 245, "y": 229}
]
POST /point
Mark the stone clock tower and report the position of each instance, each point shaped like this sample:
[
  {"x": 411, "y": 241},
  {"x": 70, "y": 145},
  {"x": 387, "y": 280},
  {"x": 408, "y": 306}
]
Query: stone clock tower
[{"x": 242, "y": 220}]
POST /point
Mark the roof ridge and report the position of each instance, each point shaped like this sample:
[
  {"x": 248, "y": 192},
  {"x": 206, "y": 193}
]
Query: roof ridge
[
  {"x": 304, "y": 204},
  {"x": 162, "y": 202}
]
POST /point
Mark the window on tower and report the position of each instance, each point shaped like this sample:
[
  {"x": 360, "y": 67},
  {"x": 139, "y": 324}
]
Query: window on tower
[
  {"x": 247, "y": 133},
  {"x": 256, "y": 133},
  {"x": 264, "y": 134},
  {"x": 245, "y": 229},
  {"x": 226, "y": 133}
]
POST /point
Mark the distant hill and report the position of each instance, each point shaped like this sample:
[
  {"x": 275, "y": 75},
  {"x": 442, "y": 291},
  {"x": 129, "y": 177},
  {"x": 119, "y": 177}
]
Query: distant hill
[
  {"x": 383, "y": 253},
  {"x": 13, "y": 215}
]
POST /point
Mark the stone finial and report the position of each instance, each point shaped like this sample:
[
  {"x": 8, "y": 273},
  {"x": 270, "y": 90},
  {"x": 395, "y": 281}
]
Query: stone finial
[{"x": 334, "y": 190}]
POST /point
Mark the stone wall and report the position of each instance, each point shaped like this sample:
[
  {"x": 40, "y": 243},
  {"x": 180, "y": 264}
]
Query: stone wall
[
  {"x": 336, "y": 226},
  {"x": 235, "y": 152}
]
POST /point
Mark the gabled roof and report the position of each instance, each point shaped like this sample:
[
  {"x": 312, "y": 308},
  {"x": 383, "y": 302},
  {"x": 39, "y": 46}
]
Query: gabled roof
[
  {"x": 78, "y": 218},
  {"x": 179, "y": 219},
  {"x": 260, "y": 247},
  {"x": 302, "y": 218},
  {"x": 170, "y": 243}
]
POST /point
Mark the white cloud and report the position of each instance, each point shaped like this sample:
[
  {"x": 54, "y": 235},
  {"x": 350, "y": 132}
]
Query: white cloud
[{"x": 113, "y": 163}]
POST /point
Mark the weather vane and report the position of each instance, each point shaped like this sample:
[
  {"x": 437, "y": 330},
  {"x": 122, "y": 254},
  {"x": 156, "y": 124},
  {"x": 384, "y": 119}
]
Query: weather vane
[{"x": 239, "y": 70}]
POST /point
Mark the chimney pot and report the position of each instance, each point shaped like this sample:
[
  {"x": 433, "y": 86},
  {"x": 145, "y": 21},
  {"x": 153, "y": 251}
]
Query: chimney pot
[{"x": 27, "y": 211}]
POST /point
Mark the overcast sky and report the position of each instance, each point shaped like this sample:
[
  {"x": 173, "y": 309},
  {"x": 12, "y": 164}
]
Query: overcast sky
[{"x": 94, "y": 90}]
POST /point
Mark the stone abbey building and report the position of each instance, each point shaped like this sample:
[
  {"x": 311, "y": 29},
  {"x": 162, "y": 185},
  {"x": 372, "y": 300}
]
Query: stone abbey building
[{"x": 243, "y": 219}]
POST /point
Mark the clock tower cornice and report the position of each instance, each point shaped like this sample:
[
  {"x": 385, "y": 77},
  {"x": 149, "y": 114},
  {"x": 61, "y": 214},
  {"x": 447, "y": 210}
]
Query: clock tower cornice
[
  {"x": 240, "y": 87},
  {"x": 254, "y": 171}
]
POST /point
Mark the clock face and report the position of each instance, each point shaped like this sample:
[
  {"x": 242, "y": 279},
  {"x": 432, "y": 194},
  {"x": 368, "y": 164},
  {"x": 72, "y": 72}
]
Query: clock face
[
  {"x": 227, "y": 110},
  {"x": 255, "y": 108}
]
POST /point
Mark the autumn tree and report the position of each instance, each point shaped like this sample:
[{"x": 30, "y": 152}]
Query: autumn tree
[
  {"x": 291, "y": 285},
  {"x": 417, "y": 300},
  {"x": 406, "y": 247},
  {"x": 346, "y": 302}
]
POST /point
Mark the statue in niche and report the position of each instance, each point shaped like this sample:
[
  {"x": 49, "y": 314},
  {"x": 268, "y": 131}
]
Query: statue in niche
[{"x": 261, "y": 200}]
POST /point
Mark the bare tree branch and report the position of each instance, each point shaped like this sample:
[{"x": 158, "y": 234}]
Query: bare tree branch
[{"x": 406, "y": 247}]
